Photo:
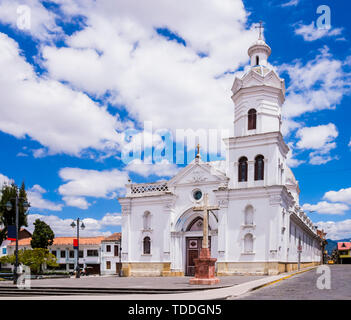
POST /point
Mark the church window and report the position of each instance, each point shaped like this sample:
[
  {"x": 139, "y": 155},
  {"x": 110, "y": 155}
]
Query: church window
[
  {"x": 249, "y": 215},
  {"x": 259, "y": 167},
  {"x": 196, "y": 225},
  {"x": 252, "y": 117},
  {"x": 147, "y": 245},
  {"x": 242, "y": 169},
  {"x": 197, "y": 194},
  {"x": 257, "y": 60},
  {"x": 147, "y": 218},
  {"x": 248, "y": 243}
]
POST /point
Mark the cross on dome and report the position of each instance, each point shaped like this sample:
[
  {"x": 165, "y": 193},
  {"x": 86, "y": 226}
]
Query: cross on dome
[{"x": 261, "y": 28}]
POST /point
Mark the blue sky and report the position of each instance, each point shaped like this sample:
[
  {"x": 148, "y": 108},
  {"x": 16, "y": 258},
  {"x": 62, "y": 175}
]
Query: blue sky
[{"x": 78, "y": 75}]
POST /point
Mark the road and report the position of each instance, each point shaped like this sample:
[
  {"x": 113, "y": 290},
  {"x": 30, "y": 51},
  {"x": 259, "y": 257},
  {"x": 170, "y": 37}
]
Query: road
[{"x": 304, "y": 287}]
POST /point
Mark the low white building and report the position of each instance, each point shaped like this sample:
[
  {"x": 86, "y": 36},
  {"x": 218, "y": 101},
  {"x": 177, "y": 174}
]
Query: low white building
[
  {"x": 110, "y": 254},
  {"x": 259, "y": 226},
  {"x": 62, "y": 248}
]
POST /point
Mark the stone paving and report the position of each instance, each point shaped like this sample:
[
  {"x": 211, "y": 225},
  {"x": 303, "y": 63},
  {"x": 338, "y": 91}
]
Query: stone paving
[
  {"x": 135, "y": 282},
  {"x": 304, "y": 287}
]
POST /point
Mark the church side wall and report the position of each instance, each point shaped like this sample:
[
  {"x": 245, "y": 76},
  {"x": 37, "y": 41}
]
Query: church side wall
[
  {"x": 238, "y": 258},
  {"x": 156, "y": 263}
]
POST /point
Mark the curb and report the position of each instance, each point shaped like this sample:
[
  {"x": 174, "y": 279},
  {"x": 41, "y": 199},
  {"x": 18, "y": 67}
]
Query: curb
[{"x": 281, "y": 279}]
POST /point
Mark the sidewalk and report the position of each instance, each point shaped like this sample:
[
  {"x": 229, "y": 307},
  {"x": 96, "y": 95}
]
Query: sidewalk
[{"x": 212, "y": 294}]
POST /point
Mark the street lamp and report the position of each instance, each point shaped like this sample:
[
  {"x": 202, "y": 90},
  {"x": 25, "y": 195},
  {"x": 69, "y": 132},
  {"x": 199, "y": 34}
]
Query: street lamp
[
  {"x": 82, "y": 226},
  {"x": 120, "y": 261},
  {"x": 9, "y": 207}
]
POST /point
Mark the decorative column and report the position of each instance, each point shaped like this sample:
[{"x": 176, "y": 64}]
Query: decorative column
[
  {"x": 125, "y": 241},
  {"x": 222, "y": 229},
  {"x": 251, "y": 173}
]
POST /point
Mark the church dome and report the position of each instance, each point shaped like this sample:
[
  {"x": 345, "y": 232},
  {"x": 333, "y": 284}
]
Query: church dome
[
  {"x": 259, "y": 51},
  {"x": 259, "y": 46}
]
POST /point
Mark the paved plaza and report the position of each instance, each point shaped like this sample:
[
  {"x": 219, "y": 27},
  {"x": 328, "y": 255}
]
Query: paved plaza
[
  {"x": 179, "y": 288},
  {"x": 304, "y": 287},
  {"x": 173, "y": 283}
]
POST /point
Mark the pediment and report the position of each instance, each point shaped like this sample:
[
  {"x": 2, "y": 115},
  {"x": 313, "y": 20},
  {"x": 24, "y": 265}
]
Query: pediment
[{"x": 198, "y": 173}]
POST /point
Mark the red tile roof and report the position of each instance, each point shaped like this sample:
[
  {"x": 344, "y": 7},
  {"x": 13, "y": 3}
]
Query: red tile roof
[
  {"x": 113, "y": 237},
  {"x": 344, "y": 245},
  {"x": 64, "y": 241}
]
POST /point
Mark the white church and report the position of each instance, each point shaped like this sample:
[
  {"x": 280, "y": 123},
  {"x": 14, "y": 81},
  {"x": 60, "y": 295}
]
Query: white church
[{"x": 259, "y": 227}]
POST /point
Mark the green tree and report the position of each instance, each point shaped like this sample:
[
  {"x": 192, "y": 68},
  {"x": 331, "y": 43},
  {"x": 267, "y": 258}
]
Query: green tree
[
  {"x": 43, "y": 236},
  {"x": 8, "y": 193},
  {"x": 34, "y": 259}
]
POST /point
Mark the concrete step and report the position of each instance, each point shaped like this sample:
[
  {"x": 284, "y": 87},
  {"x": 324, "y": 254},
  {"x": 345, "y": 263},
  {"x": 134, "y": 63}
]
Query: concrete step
[{"x": 78, "y": 291}]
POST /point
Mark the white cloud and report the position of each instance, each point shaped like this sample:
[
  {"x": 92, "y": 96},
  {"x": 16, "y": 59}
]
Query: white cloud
[
  {"x": 317, "y": 85},
  {"x": 290, "y": 3},
  {"x": 61, "y": 119},
  {"x": 311, "y": 32},
  {"x": 291, "y": 161},
  {"x": 40, "y": 21},
  {"x": 343, "y": 195},
  {"x": 111, "y": 219},
  {"x": 4, "y": 179},
  {"x": 78, "y": 202},
  {"x": 62, "y": 227},
  {"x": 161, "y": 169},
  {"x": 336, "y": 230},
  {"x": 90, "y": 183},
  {"x": 156, "y": 79},
  {"x": 324, "y": 207},
  {"x": 320, "y": 139},
  {"x": 35, "y": 198}
]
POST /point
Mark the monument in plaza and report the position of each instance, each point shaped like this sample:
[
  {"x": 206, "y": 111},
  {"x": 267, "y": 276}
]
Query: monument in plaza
[{"x": 204, "y": 264}]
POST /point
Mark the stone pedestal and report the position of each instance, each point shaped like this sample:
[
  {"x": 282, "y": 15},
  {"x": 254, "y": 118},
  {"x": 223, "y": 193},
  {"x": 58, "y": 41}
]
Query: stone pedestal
[{"x": 204, "y": 269}]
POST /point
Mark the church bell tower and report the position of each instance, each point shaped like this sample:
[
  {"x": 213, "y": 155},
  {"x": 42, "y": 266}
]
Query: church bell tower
[
  {"x": 257, "y": 151},
  {"x": 258, "y": 95}
]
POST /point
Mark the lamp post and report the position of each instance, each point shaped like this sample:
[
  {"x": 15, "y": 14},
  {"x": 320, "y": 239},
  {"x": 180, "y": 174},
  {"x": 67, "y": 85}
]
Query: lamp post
[
  {"x": 9, "y": 207},
  {"x": 120, "y": 261},
  {"x": 82, "y": 226}
]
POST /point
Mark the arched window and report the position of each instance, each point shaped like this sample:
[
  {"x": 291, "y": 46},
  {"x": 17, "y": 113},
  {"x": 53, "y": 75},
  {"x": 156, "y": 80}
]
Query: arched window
[
  {"x": 252, "y": 116},
  {"x": 259, "y": 167},
  {"x": 248, "y": 243},
  {"x": 196, "y": 225},
  {"x": 249, "y": 215},
  {"x": 242, "y": 174},
  {"x": 146, "y": 220},
  {"x": 257, "y": 60},
  {"x": 147, "y": 245}
]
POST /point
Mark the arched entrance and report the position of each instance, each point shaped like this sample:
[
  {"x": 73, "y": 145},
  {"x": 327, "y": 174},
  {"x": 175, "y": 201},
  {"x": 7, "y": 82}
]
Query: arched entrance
[
  {"x": 193, "y": 245},
  {"x": 188, "y": 227}
]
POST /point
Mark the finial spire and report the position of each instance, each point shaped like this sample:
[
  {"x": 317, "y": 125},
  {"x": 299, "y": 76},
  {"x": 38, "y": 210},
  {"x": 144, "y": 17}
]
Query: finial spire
[
  {"x": 260, "y": 27},
  {"x": 198, "y": 151}
]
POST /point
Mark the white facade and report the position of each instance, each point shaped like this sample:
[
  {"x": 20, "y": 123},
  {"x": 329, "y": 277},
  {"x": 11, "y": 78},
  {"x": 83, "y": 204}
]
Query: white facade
[
  {"x": 90, "y": 254},
  {"x": 259, "y": 226},
  {"x": 110, "y": 257}
]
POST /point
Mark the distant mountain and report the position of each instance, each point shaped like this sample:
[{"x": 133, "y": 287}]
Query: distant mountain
[{"x": 332, "y": 244}]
